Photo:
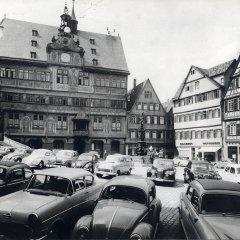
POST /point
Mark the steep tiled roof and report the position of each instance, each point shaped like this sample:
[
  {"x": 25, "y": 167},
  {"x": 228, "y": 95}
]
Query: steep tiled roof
[
  {"x": 209, "y": 73},
  {"x": 15, "y": 42},
  {"x": 132, "y": 95}
]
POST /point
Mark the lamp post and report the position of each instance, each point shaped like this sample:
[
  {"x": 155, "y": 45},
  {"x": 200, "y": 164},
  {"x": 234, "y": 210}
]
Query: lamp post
[{"x": 141, "y": 144}]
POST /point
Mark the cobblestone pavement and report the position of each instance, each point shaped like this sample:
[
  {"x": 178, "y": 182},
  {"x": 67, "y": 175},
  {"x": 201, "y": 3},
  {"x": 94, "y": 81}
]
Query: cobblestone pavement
[{"x": 169, "y": 227}]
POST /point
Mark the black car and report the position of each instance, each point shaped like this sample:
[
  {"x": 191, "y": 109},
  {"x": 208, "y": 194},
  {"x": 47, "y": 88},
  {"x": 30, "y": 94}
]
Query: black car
[
  {"x": 162, "y": 170},
  {"x": 13, "y": 176},
  {"x": 127, "y": 208},
  {"x": 200, "y": 170}
]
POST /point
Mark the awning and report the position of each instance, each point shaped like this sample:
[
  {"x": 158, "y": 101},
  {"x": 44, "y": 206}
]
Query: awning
[{"x": 209, "y": 149}]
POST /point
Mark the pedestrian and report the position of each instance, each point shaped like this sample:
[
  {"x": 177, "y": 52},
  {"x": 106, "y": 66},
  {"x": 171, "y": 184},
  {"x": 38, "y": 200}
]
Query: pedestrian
[{"x": 105, "y": 154}]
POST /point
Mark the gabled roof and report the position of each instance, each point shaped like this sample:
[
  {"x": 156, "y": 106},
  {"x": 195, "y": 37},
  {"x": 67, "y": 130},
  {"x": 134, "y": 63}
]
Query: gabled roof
[
  {"x": 15, "y": 42},
  {"x": 133, "y": 94},
  {"x": 208, "y": 73}
]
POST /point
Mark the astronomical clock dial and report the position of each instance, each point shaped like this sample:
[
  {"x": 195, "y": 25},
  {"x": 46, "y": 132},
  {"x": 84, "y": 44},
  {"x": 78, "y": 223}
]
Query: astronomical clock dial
[{"x": 65, "y": 57}]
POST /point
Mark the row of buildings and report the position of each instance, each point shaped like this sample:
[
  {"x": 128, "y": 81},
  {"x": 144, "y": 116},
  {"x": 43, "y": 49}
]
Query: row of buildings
[
  {"x": 207, "y": 113},
  {"x": 61, "y": 88}
]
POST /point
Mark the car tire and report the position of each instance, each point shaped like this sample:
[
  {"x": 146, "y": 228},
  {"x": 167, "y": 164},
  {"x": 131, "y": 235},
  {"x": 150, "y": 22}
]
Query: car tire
[
  {"x": 56, "y": 231},
  {"x": 129, "y": 172},
  {"x": 18, "y": 160},
  {"x": 99, "y": 175},
  {"x": 68, "y": 165},
  {"x": 41, "y": 165}
]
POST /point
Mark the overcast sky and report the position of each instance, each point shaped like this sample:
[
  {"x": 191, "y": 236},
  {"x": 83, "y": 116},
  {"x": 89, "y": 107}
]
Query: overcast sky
[{"x": 161, "y": 38}]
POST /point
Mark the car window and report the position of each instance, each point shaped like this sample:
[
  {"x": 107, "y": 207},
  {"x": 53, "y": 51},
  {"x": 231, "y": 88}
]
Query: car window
[
  {"x": 195, "y": 200},
  {"x": 28, "y": 173},
  {"x": 227, "y": 169},
  {"x": 189, "y": 192},
  {"x": 232, "y": 170},
  {"x": 78, "y": 184},
  {"x": 89, "y": 180},
  {"x": 17, "y": 174}
]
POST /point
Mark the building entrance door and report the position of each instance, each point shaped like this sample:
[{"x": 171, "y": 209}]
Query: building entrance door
[
  {"x": 115, "y": 147},
  {"x": 79, "y": 145},
  {"x": 232, "y": 153}
]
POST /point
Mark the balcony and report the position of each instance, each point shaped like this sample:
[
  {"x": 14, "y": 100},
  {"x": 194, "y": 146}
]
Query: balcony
[{"x": 81, "y": 133}]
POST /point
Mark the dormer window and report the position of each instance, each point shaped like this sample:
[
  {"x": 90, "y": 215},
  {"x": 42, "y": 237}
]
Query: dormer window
[
  {"x": 192, "y": 72},
  {"x": 95, "y": 62},
  {"x": 34, "y": 33},
  {"x": 94, "y": 51},
  {"x": 92, "y": 41},
  {"x": 34, "y": 43},
  {"x": 33, "y": 54}
]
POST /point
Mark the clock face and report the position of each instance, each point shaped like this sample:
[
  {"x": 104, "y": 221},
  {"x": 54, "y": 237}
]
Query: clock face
[
  {"x": 67, "y": 30},
  {"x": 65, "y": 57}
]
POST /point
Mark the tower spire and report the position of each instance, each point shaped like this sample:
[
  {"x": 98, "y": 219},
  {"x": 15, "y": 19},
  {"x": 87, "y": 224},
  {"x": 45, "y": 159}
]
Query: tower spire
[{"x": 73, "y": 12}]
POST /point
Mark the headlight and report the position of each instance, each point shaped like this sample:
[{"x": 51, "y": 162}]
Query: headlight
[{"x": 33, "y": 220}]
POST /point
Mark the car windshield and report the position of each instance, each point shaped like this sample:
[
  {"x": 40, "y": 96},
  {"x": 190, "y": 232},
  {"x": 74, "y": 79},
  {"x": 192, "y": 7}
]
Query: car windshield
[
  {"x": 125, "y": 193},
  {"x": 162, "y": 163},
  {"x": 3, "y": 172},
  {"x": 49, "y": 185},
  {"x": 64, "y": 153},
  {"x": 221, "y": 203},
  {"x": 202, "y": 166},
  {"x": 85, "y": 157},
  {"x": 112, "y": 159}
]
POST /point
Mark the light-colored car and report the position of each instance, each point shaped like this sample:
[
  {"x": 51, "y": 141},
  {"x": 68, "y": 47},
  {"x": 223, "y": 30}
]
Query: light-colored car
[
  {"x": 223, "y": 163},
  {"x": 181, "y": 161},
  {"x": 50, "y": 205},
  {"x": 18, "y": 155},
  {"x": 6, "y": 150},
  {"x": 66, "y": 157},
  {"x": 40, "y": 158},
  {"x": 231, "y": 173},
  {"x": 210, "y": 210},
  {"x": 115, "y": 165}
]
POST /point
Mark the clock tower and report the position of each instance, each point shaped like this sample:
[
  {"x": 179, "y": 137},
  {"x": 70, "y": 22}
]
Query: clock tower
[{"x": 65, "y": 49}]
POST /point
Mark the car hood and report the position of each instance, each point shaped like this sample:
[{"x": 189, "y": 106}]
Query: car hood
[
  {"x": 30, "y": 158},
  {"x": 163, "y": 168},
  {"x": 20, "y": 204},
  {"x": 226, "y": 227},
  {"x": 120, "y": 217}
]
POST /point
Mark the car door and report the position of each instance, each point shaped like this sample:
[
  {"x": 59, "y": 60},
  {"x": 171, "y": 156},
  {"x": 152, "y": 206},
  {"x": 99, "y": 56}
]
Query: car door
[
  {"x": 16, "y": 180},
  {"x": 193, "y": 210}
]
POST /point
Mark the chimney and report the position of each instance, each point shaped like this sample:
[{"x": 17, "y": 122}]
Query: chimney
[{"x": 134, "y": 82}]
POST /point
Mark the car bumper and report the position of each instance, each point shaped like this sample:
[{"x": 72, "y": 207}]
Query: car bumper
[
  {"x": 155, "y": 179},
  {"x": 105, "y": 174}
]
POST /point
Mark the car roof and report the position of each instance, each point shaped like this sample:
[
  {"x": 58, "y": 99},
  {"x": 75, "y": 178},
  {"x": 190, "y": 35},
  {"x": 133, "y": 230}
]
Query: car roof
[
  {"x": 200, "y": 162},
  {"x": 204, "y": 185},
  {"x": 12, "y": 164},
  {"x": 64, "y": 172},
  {"x": 131, "y": 181}
]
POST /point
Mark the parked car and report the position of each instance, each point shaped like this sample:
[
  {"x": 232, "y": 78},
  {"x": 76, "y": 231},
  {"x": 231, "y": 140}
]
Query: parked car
[
  {"x": 223, "y": 163},
  {"x": 6, "y": 150},
  {"x": 66, "y": 157},
  {"x": 86, "y": 161},
  {"x": 51, "y": 204},
  {"x": 181, "y": 161},
  {"x": 95, "y": 153},
  {"x": 40, "y": 158},
  {"x": 114, "y": 165},
  {"x": 200, "y": 169},
  {"x": 13, "y": 176},
  {"x": 231, "y": 173},
  {"x": 210, "y": 210},
  {"x": 18, "y": 155},
  {"x": 127, "y": 209},
  {"x": 162, "y": 170}
]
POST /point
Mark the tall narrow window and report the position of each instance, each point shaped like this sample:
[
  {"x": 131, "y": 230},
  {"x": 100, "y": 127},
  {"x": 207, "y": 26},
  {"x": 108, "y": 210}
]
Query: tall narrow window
[
  {"x": 62, "y": 122},
  {"x": 13, "y": 120},
  {"x": 34, "y": 43},
  {"x": 95, "y": 62},
  {"x": 38, "y": 121},
  {"x": 93, "y": 51},
  {"x": 97, "y": 123},
  {"x": 34, "y": 33},
  {"x": 62, "y": 76},
  {"x": 116, "y": 124},
  {"x": 33, "y": 54}
]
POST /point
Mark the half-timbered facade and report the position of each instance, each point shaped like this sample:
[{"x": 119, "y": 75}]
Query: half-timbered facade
[
  {"x": 61, "y": 87},
  {"x": 198, "y": 112},
  {"x": 231, "y": 117}
]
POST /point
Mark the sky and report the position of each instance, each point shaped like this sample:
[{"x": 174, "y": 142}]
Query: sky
[{"x": 162, "y": 39}]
